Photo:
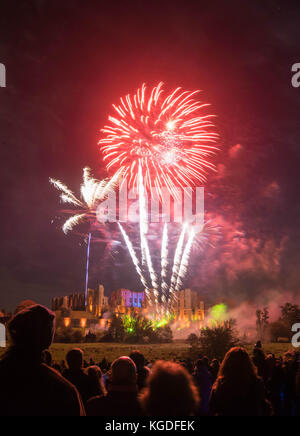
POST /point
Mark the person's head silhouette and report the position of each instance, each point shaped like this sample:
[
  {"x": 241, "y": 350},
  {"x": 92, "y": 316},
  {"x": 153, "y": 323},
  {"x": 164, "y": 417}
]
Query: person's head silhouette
[
  {"x": 75, "y": 359},
  {"x": 32, "y": 329}
]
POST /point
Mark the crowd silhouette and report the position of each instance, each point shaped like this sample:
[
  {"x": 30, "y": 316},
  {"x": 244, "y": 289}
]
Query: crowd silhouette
[{"x": 31, "y": 384}]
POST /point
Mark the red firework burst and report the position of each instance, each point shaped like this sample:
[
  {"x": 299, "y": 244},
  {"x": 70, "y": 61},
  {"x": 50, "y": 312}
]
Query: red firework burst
[{"x": 168, "y": 136}]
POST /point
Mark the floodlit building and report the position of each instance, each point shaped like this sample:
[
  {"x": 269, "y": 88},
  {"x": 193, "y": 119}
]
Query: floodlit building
[
  {"x": 190, "y": 306},
  {"x": 124, "y": 301},
  {"x": 187, "y": 307}
]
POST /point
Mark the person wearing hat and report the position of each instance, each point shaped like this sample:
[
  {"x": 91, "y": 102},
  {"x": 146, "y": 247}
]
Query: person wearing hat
[{"x": 28, "y": 386}]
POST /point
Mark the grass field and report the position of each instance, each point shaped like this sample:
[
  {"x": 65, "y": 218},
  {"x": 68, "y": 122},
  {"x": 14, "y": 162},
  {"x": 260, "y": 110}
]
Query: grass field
[{"x": 177, "y": 350}]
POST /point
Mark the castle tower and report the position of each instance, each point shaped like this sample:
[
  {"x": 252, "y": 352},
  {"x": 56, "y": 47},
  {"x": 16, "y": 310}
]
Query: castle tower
[
  {"x": 65, "y": 303},
  {"x": 101, "y": 298}
]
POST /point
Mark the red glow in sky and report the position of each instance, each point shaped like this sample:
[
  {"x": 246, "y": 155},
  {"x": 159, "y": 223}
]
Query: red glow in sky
[{"x": 167, "y": 134}]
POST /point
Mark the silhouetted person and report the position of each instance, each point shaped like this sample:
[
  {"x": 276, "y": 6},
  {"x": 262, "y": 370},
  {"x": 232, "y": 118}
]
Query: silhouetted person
[
  {"x": 142, "y": 370},
  {"x": 275, "y": 384},
  {"x": 95, "y": 375},
  {"x": 170, "y": 391},
  {"x": 47, "y": 358},
  {"x": 290, "y": 373},
  {"x": 238, "y": 391},
  {"x": 57, "y": 367},
  {"x": 77, "y": 376},
  {"x": 206, "y": 362},
  {"x": 258, "y": 345},
  {"x": 259, "y": 360},
  {"x": 204, "y": 382},
  {"x": 214, "y": 369},
  {"x": 28, "y": 386},
  {"x": 122, "y": 395},
  {"x": 189, "y": 365},
  {"x": 103, "y": 364},
  {"x": 24, "y": 305}
]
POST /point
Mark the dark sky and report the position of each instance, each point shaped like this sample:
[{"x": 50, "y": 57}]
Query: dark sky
[{"x": 67, "y": 62}]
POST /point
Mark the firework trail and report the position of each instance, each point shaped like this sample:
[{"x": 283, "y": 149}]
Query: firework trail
[
  {"x": 134, "y": 259},
  {"x": 169, "y": 136},
  {"x": 176, "y": 265},
  {"x": 198, "y": 238},
  {"x": 73, "y": 221},
  {"x": 185, "y": 260},
  {"x": 66, "y": 194},
  {"x": 87, "y": 267},
  {"x": 143, "y": 235},
  {"x": 93, "y": 192},
  {"x": 143, "y": 217},
  {"x": 164, "y": 263},
  {"x": 159, "y": 141}
]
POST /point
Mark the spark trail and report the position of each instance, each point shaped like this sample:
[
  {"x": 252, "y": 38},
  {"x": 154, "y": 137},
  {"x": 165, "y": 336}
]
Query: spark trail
[
  {"x": 185, "y": 260},
  {"x": 143, "y": 235},
  {"x": 164, "y": 264},
  {"x": 176, "y": 266},
  {"x": 135, "y": 259}
]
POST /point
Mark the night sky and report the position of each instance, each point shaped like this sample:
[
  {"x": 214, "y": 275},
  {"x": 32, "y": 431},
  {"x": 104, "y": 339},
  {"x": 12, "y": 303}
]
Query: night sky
[{"x": 67, "y": 62}]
